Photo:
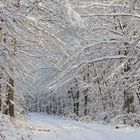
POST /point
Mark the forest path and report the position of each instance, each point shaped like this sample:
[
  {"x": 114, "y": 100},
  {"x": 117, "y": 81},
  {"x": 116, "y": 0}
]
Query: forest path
[{"x": 46, "y": 127}]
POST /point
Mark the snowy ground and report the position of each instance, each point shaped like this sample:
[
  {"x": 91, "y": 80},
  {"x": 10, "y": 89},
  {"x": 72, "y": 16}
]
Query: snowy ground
[
  {"x": 12, "y": 129},
  {"x": 44, "y": 127}
]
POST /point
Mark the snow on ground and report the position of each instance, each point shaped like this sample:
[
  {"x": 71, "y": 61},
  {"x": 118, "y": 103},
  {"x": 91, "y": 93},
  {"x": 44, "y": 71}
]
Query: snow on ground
[
  {"x": 46, "y": 127},
  {"x": 39, "y": 126},
  {"x": 11, "y": 129}
]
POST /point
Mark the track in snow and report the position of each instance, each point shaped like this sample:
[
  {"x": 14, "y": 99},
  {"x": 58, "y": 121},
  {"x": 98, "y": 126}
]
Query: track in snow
[{"x": 45, "y": 127}]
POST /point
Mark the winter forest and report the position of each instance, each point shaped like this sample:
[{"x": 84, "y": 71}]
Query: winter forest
[{"x": 69, "y": 69}]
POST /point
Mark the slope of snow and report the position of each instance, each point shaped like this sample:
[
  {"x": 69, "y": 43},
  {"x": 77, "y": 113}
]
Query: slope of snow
[
  {"x": 11, "y": 129},
  {"x": 45, "y": 127}
]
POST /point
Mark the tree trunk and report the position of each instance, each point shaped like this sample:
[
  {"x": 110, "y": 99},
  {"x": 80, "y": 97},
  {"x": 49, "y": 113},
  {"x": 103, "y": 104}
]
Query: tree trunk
[{"x": 10, "y": 100}]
